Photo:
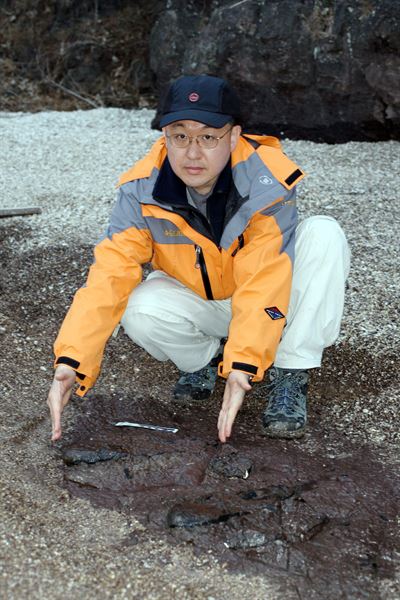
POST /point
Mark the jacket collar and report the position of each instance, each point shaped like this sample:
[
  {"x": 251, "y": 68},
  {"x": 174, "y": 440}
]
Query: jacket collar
[{"x": 170, "y": 189}]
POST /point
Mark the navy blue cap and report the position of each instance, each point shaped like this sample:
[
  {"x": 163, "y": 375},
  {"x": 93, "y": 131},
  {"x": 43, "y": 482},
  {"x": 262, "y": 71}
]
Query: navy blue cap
[{"x": 203, "y": 98}]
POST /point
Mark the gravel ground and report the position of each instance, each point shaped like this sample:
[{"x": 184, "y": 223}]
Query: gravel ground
[
  {"x": 55, "y": 546},
  {"x": 67, "y": 164}
]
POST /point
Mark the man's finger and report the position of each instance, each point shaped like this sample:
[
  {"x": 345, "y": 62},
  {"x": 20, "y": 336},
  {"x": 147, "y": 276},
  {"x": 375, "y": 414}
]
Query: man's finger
[
  {"x": 224, "y": 409},
  {"x": 56, "y": 434},
  {"x": 221, "y": 428},
  {"x": 219, "y": 419},
  {"x": 55, "y": 422},
  {"x": 223, "y": 415},
  {"x": 229, "y": 420},
  {"x": 60, "y": 393},
  {"x": 221, "y": 432},
  {"x": 235, "y": 389},
  {"x": 228, "y": 416},
  {"x": 225, "y": 428}
]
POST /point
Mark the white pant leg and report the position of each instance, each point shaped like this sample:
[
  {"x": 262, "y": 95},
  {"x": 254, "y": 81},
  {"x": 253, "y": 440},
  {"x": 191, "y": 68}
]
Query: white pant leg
[
  {"x": 171, "y": 322},
  {"x": 322, "y": 262}
]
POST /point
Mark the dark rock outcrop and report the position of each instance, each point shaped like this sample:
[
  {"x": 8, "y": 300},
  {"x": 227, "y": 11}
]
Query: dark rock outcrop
[
  {"x": 323, "y": 70},
  {"x": 326, "y": 70}
]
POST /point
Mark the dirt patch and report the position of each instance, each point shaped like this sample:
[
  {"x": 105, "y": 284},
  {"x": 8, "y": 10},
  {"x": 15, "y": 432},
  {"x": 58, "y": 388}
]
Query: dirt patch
[
  {"x": 317, "y": 515},
  {"x": 262, "y": 505}
]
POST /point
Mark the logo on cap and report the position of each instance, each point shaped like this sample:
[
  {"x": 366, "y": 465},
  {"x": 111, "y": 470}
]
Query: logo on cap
[{"x": 193, "y": 97}]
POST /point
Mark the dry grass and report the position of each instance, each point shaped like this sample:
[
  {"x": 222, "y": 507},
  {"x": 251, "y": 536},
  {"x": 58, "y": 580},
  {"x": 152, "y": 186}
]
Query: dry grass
[{"x": 73, "y": 55}]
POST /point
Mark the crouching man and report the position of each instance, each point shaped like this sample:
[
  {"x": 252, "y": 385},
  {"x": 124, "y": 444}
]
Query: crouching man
[{"x": 215, "y": 213}]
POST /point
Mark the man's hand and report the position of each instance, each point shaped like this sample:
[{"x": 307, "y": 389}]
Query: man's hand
[
  {"x": 60, "y": 393},
  {"x": 236, "y": 387}
]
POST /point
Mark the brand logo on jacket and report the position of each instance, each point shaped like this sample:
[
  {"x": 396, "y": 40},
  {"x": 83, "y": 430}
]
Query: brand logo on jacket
[
  {"x": 172, "y": 232},
  {"x": 265, "y": 180},
  {"x": 274, "y": 313}
]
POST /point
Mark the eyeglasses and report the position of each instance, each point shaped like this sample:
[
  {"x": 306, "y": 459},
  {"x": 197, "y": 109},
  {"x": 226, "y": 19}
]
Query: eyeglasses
[{"x": 206, "y": 141}]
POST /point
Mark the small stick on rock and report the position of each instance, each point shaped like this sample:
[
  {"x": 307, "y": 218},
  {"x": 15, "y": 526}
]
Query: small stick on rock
[
  {"x": 19, "y": 212},
  {"x": 72, "y": 93}
]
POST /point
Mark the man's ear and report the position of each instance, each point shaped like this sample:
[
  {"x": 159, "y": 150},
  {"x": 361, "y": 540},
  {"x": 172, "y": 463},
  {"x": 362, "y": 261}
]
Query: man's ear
[
  {"x": 235, "y": 135},
  {"x": 164, "y": 132}
]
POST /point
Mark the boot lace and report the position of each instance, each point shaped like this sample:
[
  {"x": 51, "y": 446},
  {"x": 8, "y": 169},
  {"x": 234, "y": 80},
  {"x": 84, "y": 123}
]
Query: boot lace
[{"x": 287, "y": 395}]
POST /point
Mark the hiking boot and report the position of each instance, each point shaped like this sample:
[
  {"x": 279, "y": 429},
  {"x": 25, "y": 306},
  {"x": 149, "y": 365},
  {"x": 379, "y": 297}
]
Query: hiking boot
[
  {"x": 198, "y": 385},
  {"x": 286, "y": 413}
]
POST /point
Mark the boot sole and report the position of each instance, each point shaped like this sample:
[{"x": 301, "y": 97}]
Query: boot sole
[{"x": 283, "y": 435}]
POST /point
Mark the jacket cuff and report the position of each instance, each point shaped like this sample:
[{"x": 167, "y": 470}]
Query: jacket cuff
[
  {"x": 256, "y": 373},
  {"x": 84, "y": 386},
  {"x": 84, "y": 382},
  {"x": 66, "y": 360}
]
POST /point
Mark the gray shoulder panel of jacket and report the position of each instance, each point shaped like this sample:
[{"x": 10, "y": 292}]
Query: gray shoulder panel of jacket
[
  {"x": 143, "y": 189},
  {"x": 254, "y": 180},
  {"x": 285, "y": 215},
  {"x": 127, "y": 211}
]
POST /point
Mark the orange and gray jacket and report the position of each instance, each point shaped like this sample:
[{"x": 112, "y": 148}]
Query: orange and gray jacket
[{"x": 250, "y": 262}]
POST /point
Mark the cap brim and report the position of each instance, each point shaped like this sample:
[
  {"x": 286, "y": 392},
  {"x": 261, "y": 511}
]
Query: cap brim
[{"x": 208, "y": 118}]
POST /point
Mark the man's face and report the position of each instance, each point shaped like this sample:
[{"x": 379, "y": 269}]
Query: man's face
[{"x": 198, "y": 167}]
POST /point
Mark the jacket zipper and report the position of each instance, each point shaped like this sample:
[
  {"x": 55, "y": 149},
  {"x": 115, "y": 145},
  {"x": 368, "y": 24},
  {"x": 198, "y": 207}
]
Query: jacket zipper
[
  {"x": 239, "y": 246},
  {"x": 201, "y": 264},
  {"x": 197, "y": 250}
]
